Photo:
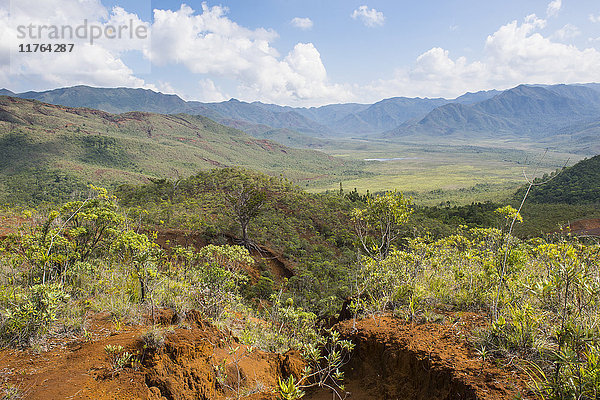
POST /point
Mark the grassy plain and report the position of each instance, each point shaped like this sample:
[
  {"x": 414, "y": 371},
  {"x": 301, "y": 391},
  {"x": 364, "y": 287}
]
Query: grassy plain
[{"x": 441, "y": 173}]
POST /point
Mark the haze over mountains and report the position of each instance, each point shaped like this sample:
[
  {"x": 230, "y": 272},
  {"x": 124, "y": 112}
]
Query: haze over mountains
[{"x": 568, "y": 112}]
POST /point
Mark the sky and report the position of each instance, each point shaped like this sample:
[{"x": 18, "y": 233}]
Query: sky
[{"x": 299, "y": 53}]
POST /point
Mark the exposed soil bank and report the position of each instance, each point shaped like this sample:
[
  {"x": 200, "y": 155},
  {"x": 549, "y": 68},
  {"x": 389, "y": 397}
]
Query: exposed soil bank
[
  {"x": 196, "y": 362},
  {"x": 585, "y": 227},
  {"x": 207, "y": 364},
  {"x": 277, "y": 264},
  {"x": 396, "y": 360},
  {"x": 392, "y": 360},
  {"x": 9, "y": 224}
]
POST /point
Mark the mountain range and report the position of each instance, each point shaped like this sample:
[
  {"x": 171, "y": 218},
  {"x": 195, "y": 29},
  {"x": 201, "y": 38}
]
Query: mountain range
[
  {"x": 547, "y": 114},
  {"x": 325, "y": 121},
  {"x": 531, "y": 111}
]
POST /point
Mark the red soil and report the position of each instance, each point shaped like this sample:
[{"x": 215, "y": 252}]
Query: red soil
[
  {"x": 392, "y": 360},
  {"x": 186, "y": 367},
  {"x": 398, "y": 360},
  {"x": 278, "y": 265},
  {"x": 585, "y": 227},
  {"x": 10, "y": 224}
]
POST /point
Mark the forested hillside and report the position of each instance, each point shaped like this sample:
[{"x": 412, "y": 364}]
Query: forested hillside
[{"x": 579, "y": 184}]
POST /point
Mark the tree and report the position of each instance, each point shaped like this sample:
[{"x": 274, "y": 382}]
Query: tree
[
  {"x": 138, "y": 252},
  {"x": 76, "y": 232},
  {"x": 246, "y": 202},
  {"x": 91, "y": 224},
  {"x": 378, "y": 225}
]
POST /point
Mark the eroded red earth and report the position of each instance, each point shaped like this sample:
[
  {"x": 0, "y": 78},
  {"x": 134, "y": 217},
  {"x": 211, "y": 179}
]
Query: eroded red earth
[{"x": 393, "y": 359}]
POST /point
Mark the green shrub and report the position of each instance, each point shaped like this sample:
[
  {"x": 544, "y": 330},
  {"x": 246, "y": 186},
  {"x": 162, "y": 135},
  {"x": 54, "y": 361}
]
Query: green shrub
[{"x": 31, "y": 314}]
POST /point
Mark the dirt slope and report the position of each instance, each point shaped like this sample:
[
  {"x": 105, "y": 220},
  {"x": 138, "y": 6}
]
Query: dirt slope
[
  {"x": 585, "y": 227},
  {"x": 280, "y": 267},
  {"x": 398, "y": 360},
  {"x": 197, "y": 361},
  {"x": 10, "y": 223},
  {"x": 392, "y": 359}
]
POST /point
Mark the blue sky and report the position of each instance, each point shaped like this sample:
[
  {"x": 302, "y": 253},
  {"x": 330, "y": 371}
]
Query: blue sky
[{"x": 309, "y": 52}]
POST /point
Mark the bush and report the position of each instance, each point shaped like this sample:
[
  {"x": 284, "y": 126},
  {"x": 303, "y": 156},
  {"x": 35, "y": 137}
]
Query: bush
[
  {"x": 154, "y": 339},
  {"x": 32, "y": 314}
]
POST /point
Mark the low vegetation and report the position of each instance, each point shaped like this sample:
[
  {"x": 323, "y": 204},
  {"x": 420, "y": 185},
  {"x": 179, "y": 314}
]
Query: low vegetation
[
  {"x": 541, "y": 297},
  {"x": 89, "y": 256},
  {"x": 379, "y": 254}
]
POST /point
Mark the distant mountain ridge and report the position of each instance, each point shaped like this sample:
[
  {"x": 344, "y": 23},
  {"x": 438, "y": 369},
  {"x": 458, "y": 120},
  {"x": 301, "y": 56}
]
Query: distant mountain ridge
[
  {"x": 324, "y": 121},
  {"x": 121, "y": 100},
  {"x": 49, "y": 151},
  {"x": 534, "y": 112},
  {"x": 537, "y": 112}
]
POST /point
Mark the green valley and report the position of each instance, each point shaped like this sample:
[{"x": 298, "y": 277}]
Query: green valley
[{"x": 299, "y": 200}]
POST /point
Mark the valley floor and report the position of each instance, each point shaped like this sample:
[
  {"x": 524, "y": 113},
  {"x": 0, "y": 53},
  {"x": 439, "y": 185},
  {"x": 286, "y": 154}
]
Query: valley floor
[{"x": 431, "y": 173}]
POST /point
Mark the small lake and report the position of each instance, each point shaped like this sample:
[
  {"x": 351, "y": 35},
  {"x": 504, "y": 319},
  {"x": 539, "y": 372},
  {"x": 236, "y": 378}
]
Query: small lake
[{"x": 391, "y": 159}]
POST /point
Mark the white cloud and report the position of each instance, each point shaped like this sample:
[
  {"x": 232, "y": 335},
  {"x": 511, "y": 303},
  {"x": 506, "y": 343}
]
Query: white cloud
[
  {"x": 94, "y": 66},
  {"x": 209, "y": 92},
  {"x": 302, "y": 23},
  {"x": 206, "y": 43},
  {"x": 210, "y": 43},
  {"x": 119, "y": 17},
  {"x": 217, "y": 49},
  {"x": 553, "y": 8},
  {"x": 165, "y": 87},
  {"x": 514, "y": 54},
  {"x": 594, "y": 18},
  {"x": 300, "y": 78},
  {"x": 519, "y": 54},
  {"x": 369, "y": 17},
  {"x": 533, "y": 22},
  {"x": 99, "y": 64},
  {"x": 567, "y": 32}
]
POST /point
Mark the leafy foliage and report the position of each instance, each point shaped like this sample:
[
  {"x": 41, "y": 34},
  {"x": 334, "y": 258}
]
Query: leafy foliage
[
  {"x": 90, "y": 255},
  {"x": 31, "y": 313},
  {"x": 312, "y": 232},
  {"x": 378, "y": 224}
]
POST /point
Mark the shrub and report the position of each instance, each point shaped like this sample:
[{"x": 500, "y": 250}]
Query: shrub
[
  {"x": 32, "y": 314},
  {"x": 154, "y": 339},
  {"x": 117, "y": 358}
]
